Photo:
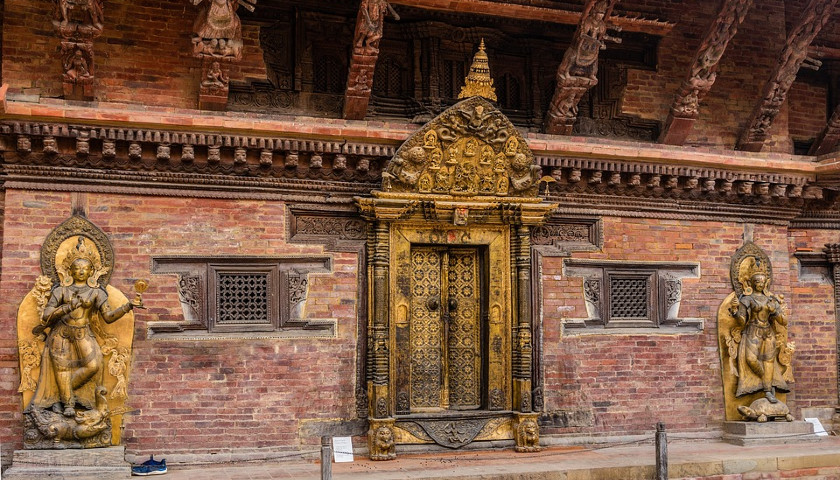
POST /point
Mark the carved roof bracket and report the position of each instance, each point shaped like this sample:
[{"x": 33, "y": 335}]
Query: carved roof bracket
[
  {"x": 77, "y": 23},
  {"x": 701, "y": 76},
  {"x": 370, "y": 25},
  {"x": 217, "y": 42},
  {"x": 793, "y": 56},
  {"x": 578, "y": 72},
  {"x": 827, "y": 140}
]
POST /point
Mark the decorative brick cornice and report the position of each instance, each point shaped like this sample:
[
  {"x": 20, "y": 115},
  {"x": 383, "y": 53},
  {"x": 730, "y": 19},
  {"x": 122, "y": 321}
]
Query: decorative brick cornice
[
  {"x": 609, "y": 177},
  {"x": 832, "y": 253}
]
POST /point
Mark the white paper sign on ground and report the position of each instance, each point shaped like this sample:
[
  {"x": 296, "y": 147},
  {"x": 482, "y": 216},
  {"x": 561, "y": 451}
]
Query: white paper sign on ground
[
  {"x": 342, "y": 449},
  {"x": 818, "y": 428}
]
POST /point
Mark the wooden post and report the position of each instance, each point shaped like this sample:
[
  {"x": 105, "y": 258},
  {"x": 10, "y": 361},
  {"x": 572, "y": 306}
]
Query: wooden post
[
  {"x": 661, "y": 452},
  {"x": 326, "y": 458}
]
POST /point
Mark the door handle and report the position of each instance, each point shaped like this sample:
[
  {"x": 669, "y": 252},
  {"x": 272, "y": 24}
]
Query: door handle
[
  {"x": 453, "y": 304},
  {"x": 432, "y": 304}
]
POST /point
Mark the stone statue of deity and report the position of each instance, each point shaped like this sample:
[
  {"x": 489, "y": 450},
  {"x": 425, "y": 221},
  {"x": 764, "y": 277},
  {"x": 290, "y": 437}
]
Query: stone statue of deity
[
  {"x": 752, "y": 323},
  {"x": 75, "y": 340}
]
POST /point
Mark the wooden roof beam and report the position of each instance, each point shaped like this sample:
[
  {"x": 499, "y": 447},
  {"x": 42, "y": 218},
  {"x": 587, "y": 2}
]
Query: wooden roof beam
[
  {"x": 793, "y": 56},
  {"x": 627, "y": 23},
  {"x": 701, "y": 76},
  {"x": 369, "y": 29},
  {"x": 578, "y": 72}
]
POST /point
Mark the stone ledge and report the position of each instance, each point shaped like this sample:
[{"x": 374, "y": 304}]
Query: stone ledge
[{"x": 88, "y": 464}]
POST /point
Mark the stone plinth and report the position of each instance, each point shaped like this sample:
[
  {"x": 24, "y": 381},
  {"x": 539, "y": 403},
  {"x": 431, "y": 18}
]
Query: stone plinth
[
  {"x": 72, "y": 464},
  {"x": 755, "y": 433}
]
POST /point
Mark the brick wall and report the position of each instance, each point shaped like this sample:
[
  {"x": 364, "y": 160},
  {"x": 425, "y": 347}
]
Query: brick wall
[
  {"x": 143, "y": 56},
  {"x": 807, "y": 114},
  {"x": 811, "y": 302},
  {"x": 190, "y": 395},
  {"x": 629, "y": 382}
]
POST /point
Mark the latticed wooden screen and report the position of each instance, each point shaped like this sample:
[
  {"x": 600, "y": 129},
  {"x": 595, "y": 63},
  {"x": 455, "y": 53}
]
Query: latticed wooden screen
[
  {"x": 629, "y": 298},
  {"x": 243, "y": 298}
]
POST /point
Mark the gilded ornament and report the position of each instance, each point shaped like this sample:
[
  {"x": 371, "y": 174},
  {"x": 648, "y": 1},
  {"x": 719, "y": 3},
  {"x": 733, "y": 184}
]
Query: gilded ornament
[
  {"x": 755, "y": 352},
  {"x": 478, "y": 81},
  {"x": 74, "y": 348}
]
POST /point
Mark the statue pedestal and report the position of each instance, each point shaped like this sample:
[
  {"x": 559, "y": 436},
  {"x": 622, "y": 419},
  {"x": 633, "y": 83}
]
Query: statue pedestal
[
  {"x": 71, "y": 464},
  {"x": 755, "y": 433}
]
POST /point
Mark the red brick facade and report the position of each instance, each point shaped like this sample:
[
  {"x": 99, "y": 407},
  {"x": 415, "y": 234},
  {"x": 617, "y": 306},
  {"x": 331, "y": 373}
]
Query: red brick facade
[{"x": 204, "y": 396}]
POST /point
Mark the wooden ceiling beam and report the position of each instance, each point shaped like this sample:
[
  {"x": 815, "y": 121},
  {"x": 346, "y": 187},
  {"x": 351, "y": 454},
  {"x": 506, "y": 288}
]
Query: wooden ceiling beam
[
  {"x": 627, "y": 23},
  {"x": 701, "y": 76},
  {"x": 793, "y": 56}
]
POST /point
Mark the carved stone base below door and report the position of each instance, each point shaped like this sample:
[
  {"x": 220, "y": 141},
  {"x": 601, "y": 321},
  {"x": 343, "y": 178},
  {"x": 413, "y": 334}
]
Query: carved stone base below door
[
  {"x": 381, "y": 439},
  {"x": 526, "y": 432}
]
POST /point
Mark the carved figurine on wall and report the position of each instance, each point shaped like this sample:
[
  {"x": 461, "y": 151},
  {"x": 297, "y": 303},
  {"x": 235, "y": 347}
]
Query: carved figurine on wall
[
  {"x": 756, "y": 343},
  {"x": 218, "y": 29},
  {"x": 92, "y": 11},
  {"x": 76, "y": 67},
  {"x": 73, "y": 399},
  {"x": 369, "y": 25}
]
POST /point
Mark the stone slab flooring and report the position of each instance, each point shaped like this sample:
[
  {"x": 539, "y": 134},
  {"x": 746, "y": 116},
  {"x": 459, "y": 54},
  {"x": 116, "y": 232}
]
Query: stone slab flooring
[{"x": 708, "y": 460}]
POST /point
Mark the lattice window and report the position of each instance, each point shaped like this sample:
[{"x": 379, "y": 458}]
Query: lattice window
[
  {"x": 243, "y": 299},
  {"x": 329, "y": 74},
  {"x": 629, "y": 299},
  {"x": 241, "y": 294},
  {"x": 621, "y": 294},
  {"x": 451, "y": 78}
]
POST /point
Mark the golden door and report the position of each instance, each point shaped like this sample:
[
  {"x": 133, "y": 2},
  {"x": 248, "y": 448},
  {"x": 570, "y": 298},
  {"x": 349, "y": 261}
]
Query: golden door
[{"x": 445, "y": 331}]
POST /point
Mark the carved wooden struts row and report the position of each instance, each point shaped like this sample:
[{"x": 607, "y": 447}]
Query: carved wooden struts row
[
  {"x": 578, "y": 72},
  {"x": 701, "y": 76},
  {"x": 793, "y": 56}
]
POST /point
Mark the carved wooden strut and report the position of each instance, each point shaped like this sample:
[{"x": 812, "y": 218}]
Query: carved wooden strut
[
  {"x": 77, "y": 23},
  {"x": 701, "y": 76},
  {"x": 578, "y": 72},
  {"x": 370, "y": 25},
  {"x": 217, "y": 41},
  {"x": 793, "y": 56}
]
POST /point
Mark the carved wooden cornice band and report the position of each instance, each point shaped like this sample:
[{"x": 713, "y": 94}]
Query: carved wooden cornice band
[{"x": 220, "y": 165}]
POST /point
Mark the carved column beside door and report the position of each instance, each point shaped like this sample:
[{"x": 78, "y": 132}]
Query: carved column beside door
[{"x": 832, "y": 253}]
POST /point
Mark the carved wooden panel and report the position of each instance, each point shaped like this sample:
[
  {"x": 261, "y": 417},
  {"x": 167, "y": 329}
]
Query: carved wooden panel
[
  {"x": 426, "y": 359},
  {"x": 464, "y": 330}
]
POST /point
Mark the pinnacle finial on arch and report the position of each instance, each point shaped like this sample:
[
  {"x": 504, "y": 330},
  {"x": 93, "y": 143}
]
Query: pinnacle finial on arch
[{"x": 478, "y": 81}]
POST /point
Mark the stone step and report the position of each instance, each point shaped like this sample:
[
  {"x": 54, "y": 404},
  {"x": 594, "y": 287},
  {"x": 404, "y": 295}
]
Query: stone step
[{"x": 72, "y": 464}]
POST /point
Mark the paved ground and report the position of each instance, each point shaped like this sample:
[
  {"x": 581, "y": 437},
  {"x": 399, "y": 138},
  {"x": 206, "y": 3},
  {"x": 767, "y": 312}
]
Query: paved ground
[{"x": 687, "y": 459}]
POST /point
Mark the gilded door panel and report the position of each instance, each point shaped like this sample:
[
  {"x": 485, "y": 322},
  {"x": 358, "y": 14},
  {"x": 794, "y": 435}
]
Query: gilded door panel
[
  {"x": 425, "y": 329},
  {"x": 464, "y": 333}
]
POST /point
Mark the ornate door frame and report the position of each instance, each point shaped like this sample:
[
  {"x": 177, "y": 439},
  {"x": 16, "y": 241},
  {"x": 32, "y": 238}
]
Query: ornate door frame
[{"x": 467, "y": 178}]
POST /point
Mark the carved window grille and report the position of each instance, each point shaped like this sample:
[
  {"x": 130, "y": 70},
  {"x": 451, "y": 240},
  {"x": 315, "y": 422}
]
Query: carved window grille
[
  {"x": 240, "y": 295},
  {"x": 509, "y": 91},
  {"x": 619, "y": 294},
  {"x": 451, "y": 78},
  {"x": 243, "y": 299},
  {"x": 630, "y": 299},
  {"x": 329, "y": 74},
  {"x": 390, "y": 78}
]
